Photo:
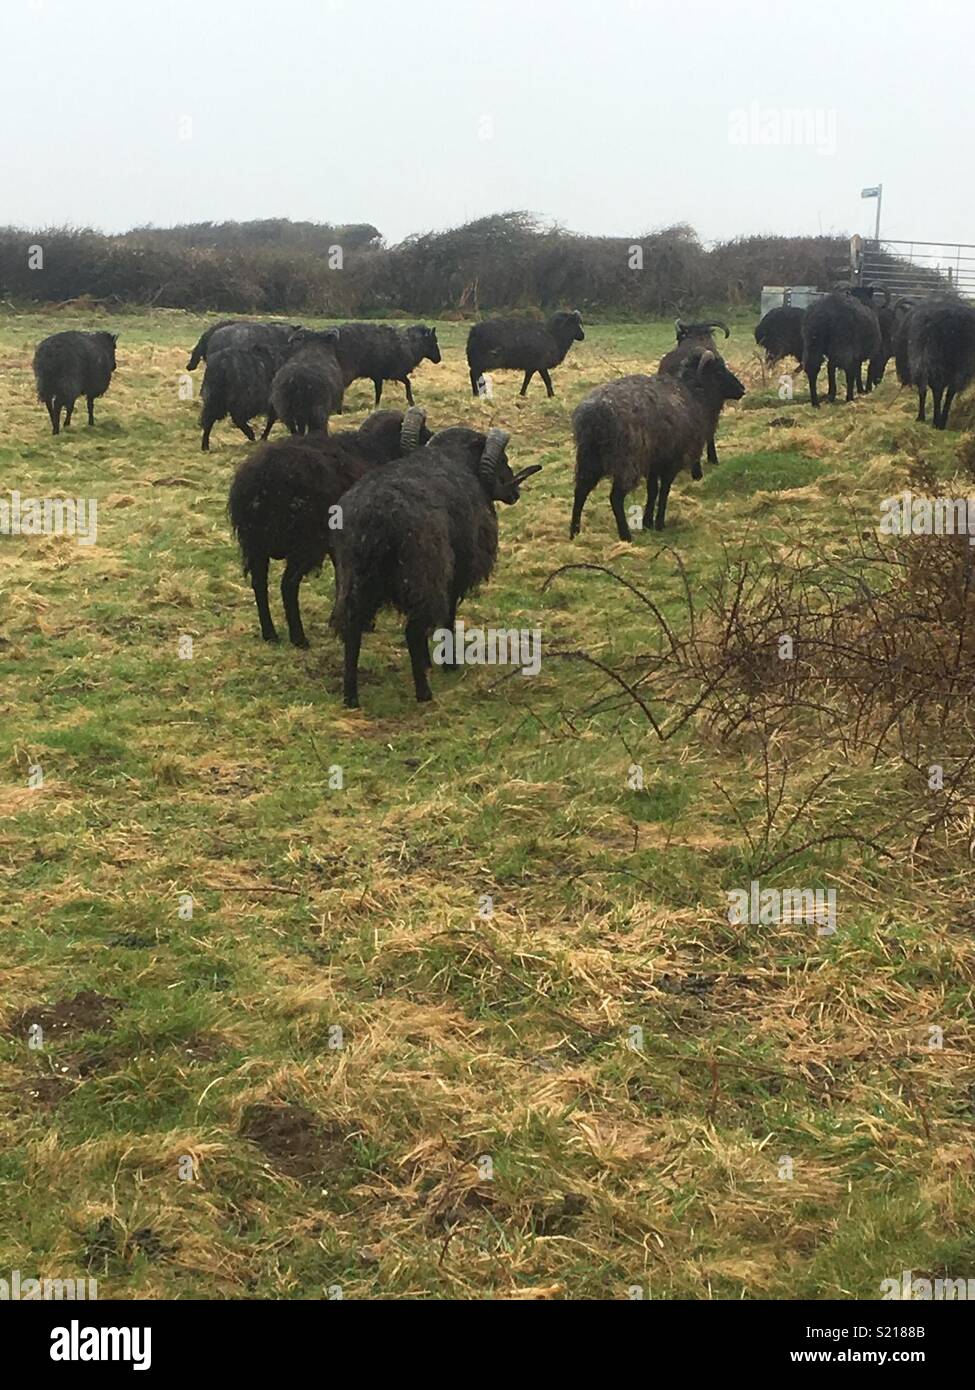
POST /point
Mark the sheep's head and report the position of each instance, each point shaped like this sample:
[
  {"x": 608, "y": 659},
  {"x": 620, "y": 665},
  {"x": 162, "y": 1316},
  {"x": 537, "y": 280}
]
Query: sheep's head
[
  {"x": 495, "y": 472},
  {"x": 425, "y": 340},
  {"x": 699, "y": 330},
  {"x": 569, "y": 321},
  {"x": 383, "y": 435},
  {"x": 709, "y": 372},
  {"x": 108, "y": 341}
]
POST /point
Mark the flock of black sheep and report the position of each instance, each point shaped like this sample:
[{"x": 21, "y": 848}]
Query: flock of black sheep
[{"x": 408, "y": 516}]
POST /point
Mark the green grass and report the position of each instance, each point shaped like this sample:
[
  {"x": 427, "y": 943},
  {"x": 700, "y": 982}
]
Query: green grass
[{"x": 463, "y": 1037}]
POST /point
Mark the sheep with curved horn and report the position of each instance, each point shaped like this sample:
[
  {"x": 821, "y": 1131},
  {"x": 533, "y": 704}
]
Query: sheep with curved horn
[{"x": 692, "y": 339}]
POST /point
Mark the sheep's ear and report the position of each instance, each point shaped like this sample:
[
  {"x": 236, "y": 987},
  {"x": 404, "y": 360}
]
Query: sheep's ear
[
  {"x": 494, "y": 447},
  {"x": 413, "y": 422}
]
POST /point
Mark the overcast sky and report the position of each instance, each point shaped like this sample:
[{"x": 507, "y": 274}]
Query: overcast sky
[{"x": 612, "y": 116}]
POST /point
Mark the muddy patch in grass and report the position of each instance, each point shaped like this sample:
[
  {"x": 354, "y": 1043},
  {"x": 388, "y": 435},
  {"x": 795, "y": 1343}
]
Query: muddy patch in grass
[
  {"x": 40, "y": 1092},
  {"x": 294, "y": 1142},
  {"x": 87, "y": 1012}
]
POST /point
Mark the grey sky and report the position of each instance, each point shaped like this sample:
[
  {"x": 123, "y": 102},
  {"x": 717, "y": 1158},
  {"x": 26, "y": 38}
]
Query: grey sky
[{"x": 610, "y": 117}]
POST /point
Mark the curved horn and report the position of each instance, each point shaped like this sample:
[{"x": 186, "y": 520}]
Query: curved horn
[
  {"x": 885, "y": 292},
  {"x": 678, "y": 327},
  {"x": 527, "y": 473},
  {"x": 718, "y": 324},
  {"x": 413, "y": 422},
  {"x": 494, "y": 447},
  {"x": 705, "y": 358}
]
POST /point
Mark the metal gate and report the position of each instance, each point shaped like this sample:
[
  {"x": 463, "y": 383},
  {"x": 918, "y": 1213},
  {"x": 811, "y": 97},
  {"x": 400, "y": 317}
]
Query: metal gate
[{"x": 920, "y": 267}]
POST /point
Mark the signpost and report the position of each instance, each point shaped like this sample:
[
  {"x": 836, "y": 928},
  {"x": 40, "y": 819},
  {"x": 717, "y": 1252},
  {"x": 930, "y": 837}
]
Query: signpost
[{"x": 878, "y": 193}]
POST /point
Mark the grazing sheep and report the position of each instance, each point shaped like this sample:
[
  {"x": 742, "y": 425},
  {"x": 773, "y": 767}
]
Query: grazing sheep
[
  {"x": 941, "y": 354},
  {"x": 69, "y": 365},
  {"x": 648, "y": 427},
  {"x": 779, "y": 332},
  {"x": 693, "y": 338},
  {"x": 522, "y": 345},
  {"x": 843, "y": 332},
  {"x": 307, "y": 389},
  {"x": 877, "y": 365},
  {"x": 383, "y": 353},
  {"x": 242, "y": 333},
  {"x": 237, "y": 382},
  {"x": 283, "y": 498},
  {"x": 418, "y": 539}
]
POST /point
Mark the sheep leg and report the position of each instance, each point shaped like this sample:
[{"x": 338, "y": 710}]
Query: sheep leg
[
  {"x": 662, "y": 503},
  {"x": 259, "y": 568},
  {"x": 290, "y": 583},
  {"x": 524, "y": 384},
  {"x": 617, "y": 500},
  {"x": 543, "y": 373},
  {"x": 922, "y": 396},
  {"x": 949, "y": 397},
  {"x": 712, "y": 451},
  {"x": 583, "y": 488},
  {"x": 456, "y": 663},
  {"x": 652, "y": 482},
  {"x": 245, "y": 429},
  {"x": 54, "y": 416},
  {"x": 409, "y": 390},
  {"x": 475, "y": 377},
  {"x": 377, "y": 386},
  {"x": 416, "y": 640},
  {"x": 350, "y": 687},
  {"x": 205, "y": 441},
  {"x": 851, "y": 383},
  {"x": 812, "y": 375},
  {"x": 831, "y": 382},
  {"x": 936, "y": 401},
  {"x": 271, "y": 421},
  {"x": 91, "y": 409},
  {"x": 68, "y": 411}
]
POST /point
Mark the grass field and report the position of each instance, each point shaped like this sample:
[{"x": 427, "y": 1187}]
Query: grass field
[{"x": 339, "y": 1074}]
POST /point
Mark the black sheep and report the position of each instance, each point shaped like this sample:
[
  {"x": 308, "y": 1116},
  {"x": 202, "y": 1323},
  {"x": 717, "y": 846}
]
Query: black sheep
[
  {"x": 941, "y": 354},
  {"x": 522, "y": 345},
  {"x": 381, "y": 353},
  {"x": 237, "y": 382},
  {"x": 779, "y": 333},
  {"x": 693, "y": 339},
  {"x": 283, "y": 498},
  {"x": 648, "y": 428},
  {"x": 844, "y": 333},
  {"x": 69, "y": 365},
  {"x": 418, "y": 539},
  {"x": 242, "y": 333},
  {"x": 307, "y": 389}
]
